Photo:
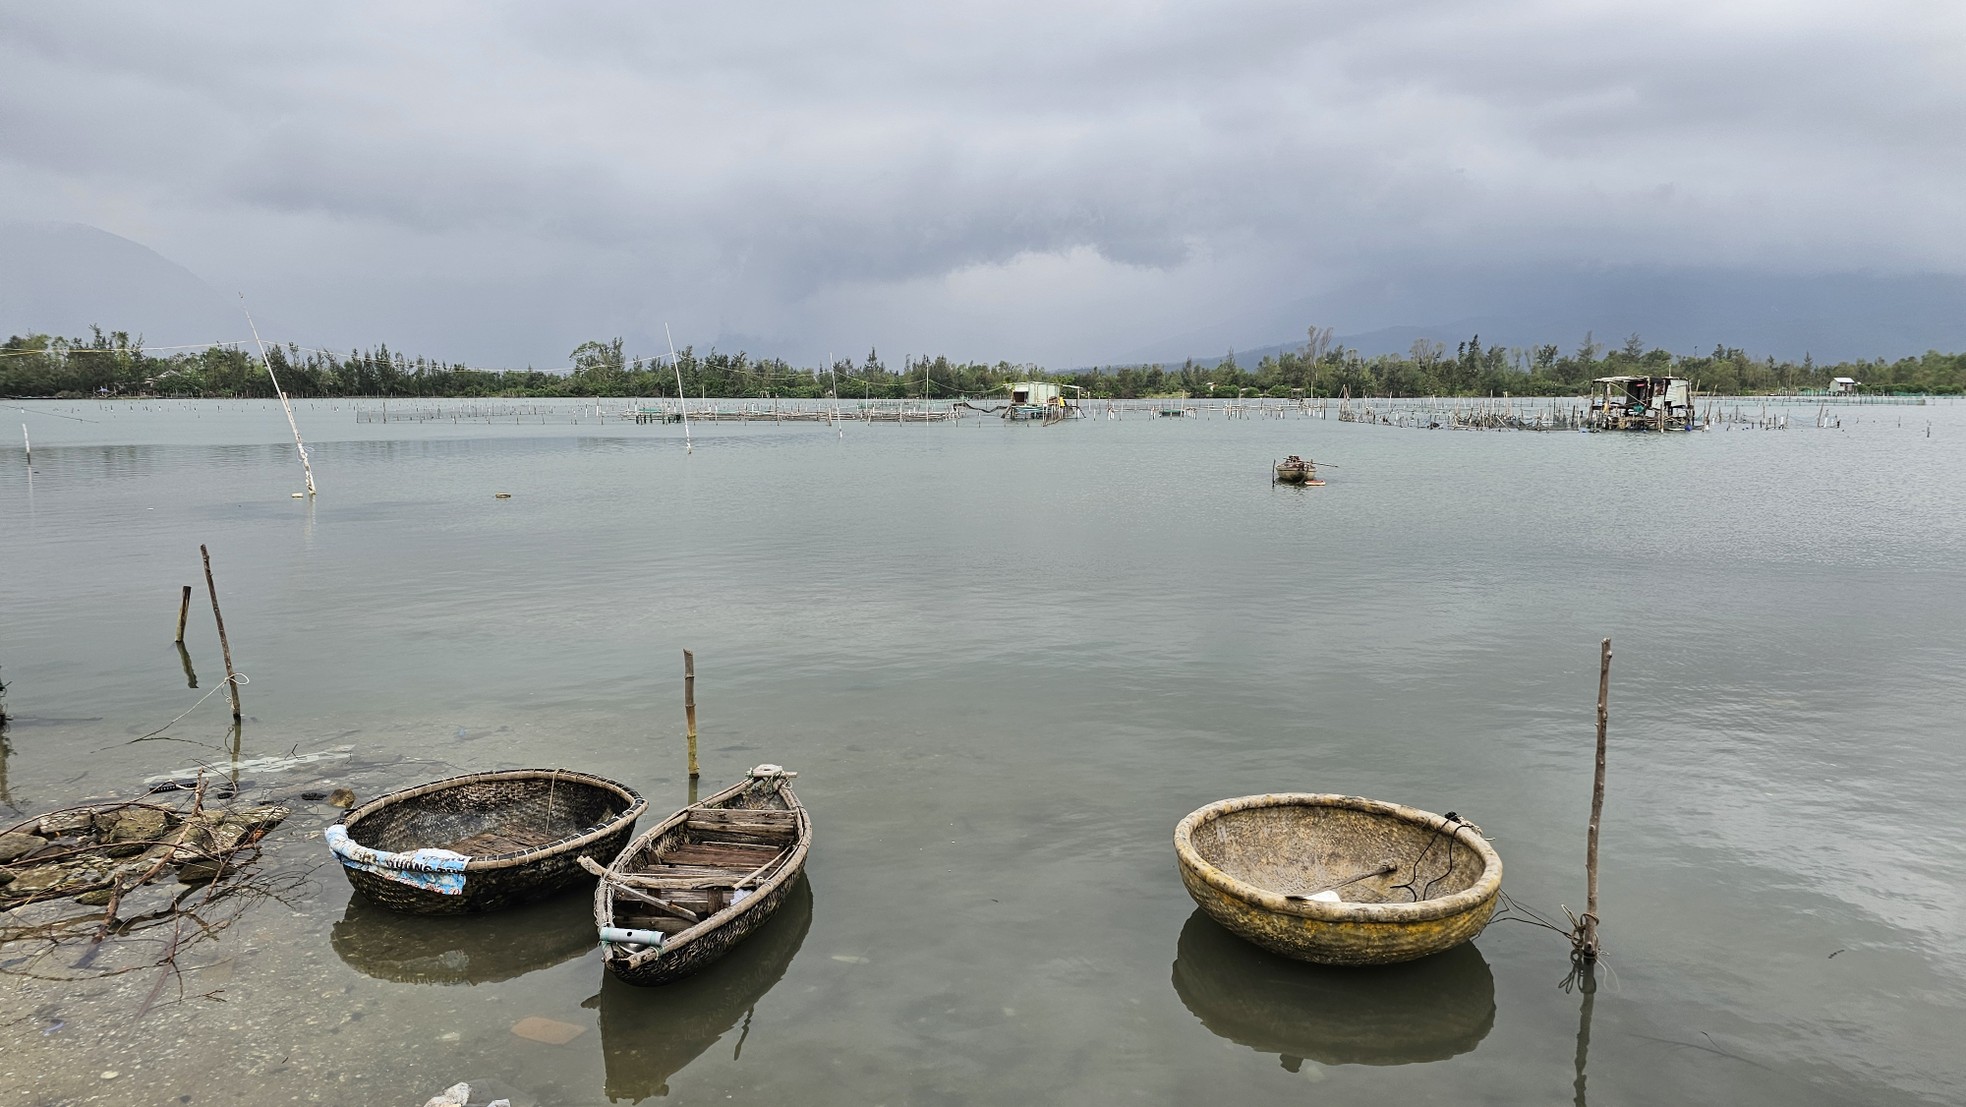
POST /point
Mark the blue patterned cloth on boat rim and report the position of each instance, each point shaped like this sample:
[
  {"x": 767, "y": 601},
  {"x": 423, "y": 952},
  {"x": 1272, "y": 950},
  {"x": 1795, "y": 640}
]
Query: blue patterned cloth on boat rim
[{"x": 434, "y": 870}]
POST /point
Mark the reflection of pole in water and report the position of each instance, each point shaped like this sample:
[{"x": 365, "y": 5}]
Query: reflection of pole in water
[
  {"x": 1586, "y": 978},
  {"x": 6, "y": 751},
  {"x": 190, "y": 677},
  {"x": 238, "y": 740}
]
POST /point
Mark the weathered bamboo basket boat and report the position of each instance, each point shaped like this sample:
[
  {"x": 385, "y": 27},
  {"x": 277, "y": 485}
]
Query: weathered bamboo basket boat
[
  {"x": 482, "y": 840},
  {"x": 694, "y": 885},
  {"x": 1391, "y": 883}
]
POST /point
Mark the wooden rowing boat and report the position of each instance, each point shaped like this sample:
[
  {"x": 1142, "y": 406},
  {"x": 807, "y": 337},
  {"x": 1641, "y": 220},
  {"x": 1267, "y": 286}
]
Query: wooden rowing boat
[
  {"x": 1295, "y": 470},
  {"x": 697, "y": 883}
]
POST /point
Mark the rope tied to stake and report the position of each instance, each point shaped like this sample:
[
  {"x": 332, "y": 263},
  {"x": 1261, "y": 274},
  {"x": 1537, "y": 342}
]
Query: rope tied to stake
[{"x": 235, "y": 678}]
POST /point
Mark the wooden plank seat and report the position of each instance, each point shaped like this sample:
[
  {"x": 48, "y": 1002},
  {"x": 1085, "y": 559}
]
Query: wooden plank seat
[
  {"x": 666, "y": 924},
  {"x": 709, "y": 818},
  {"x": 722, "y": 855}
]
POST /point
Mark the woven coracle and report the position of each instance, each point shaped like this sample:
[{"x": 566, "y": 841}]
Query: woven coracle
[
  {"x": 1410, "y": 882},
  {"x": 483, "y": 840}
]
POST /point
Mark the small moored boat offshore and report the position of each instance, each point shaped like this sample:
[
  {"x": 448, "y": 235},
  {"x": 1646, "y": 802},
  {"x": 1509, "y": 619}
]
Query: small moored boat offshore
[
  {"x": 482, "y": 840},
  {"x": 694, "y": 885},
  {"x": 1296, "y": 470},
  {"x": 1339, "y": 880}
]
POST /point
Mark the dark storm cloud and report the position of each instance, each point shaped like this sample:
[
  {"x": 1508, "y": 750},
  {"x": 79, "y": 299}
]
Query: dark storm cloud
[{"x": 1035, "y": 180}]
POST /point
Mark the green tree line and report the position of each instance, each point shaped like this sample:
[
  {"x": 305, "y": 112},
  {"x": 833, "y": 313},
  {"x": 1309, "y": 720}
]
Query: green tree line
[{"x": 115, "y": 364}]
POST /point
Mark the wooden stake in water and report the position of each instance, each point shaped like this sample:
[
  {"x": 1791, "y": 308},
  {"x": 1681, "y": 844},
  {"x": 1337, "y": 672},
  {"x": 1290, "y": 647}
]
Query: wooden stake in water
[
  {"x": 305, "y": 468},
  {"x": 225, "y": 647},
  {"x": 1589, "y": 946},
  {"x": 689, "y": 706},
  {"x": 183, "y": 613}
]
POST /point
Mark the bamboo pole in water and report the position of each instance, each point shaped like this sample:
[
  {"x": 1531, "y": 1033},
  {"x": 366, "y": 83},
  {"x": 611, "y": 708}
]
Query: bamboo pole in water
[
  {"x": 689, "y": 706},
  {"x": 306, "y": 469},
  {"x": 682, "y": 405},
  {"x": 1589, "y": 947},
  {"x": 225, "y": 647},
  {"x": 183, "y": 613}
]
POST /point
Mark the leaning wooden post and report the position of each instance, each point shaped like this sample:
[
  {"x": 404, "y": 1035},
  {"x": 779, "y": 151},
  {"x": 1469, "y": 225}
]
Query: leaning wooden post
[
  {"x": 225, "y": 647},
  {"x": 689, "y": 706},
  {"x": 1589, "y": 948}
]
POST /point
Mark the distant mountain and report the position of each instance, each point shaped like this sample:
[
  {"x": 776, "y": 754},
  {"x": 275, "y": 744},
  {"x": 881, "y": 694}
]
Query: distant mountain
[
  {"x": 1831, "y": 317},
  {"x": 58, "y": 278}
]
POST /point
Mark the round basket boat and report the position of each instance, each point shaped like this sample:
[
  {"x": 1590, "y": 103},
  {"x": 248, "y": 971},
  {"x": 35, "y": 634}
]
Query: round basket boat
[
  {"x": 483, "y": 840},
  {"x": 1392, "y": 883}
]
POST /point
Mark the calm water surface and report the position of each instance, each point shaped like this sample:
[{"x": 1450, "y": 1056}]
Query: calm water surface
[{"x": 1005, "y": 661}]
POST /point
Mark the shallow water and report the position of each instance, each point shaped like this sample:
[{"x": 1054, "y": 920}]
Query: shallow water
[{"x": 1005, "y": 661}]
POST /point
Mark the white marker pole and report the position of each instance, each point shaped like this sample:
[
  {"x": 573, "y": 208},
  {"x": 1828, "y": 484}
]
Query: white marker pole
[
  {"x": 836, "y": 397},
  {"x": 298, "y": 444},
  {"x": 681, "y": 400}
]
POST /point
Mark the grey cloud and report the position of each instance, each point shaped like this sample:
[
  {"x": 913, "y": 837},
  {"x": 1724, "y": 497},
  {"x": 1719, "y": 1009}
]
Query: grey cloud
[{"x": 768, "y": 165}]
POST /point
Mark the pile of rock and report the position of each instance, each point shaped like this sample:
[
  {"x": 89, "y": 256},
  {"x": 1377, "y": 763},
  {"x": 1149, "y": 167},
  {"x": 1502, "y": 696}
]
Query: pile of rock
[{"x": 96, "y": 854}]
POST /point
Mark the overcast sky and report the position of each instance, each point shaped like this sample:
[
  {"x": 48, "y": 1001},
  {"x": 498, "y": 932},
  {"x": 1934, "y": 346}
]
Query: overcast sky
[{"x": 1062, "y": 182}]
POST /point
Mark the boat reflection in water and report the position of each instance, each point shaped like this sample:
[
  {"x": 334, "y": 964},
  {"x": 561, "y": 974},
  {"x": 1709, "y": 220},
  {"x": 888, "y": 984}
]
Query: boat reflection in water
[
  {"x": 649, "y": 1034},
  {"x": 1425, "y": 1010},
  {"x": 464, "y": 949}
]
